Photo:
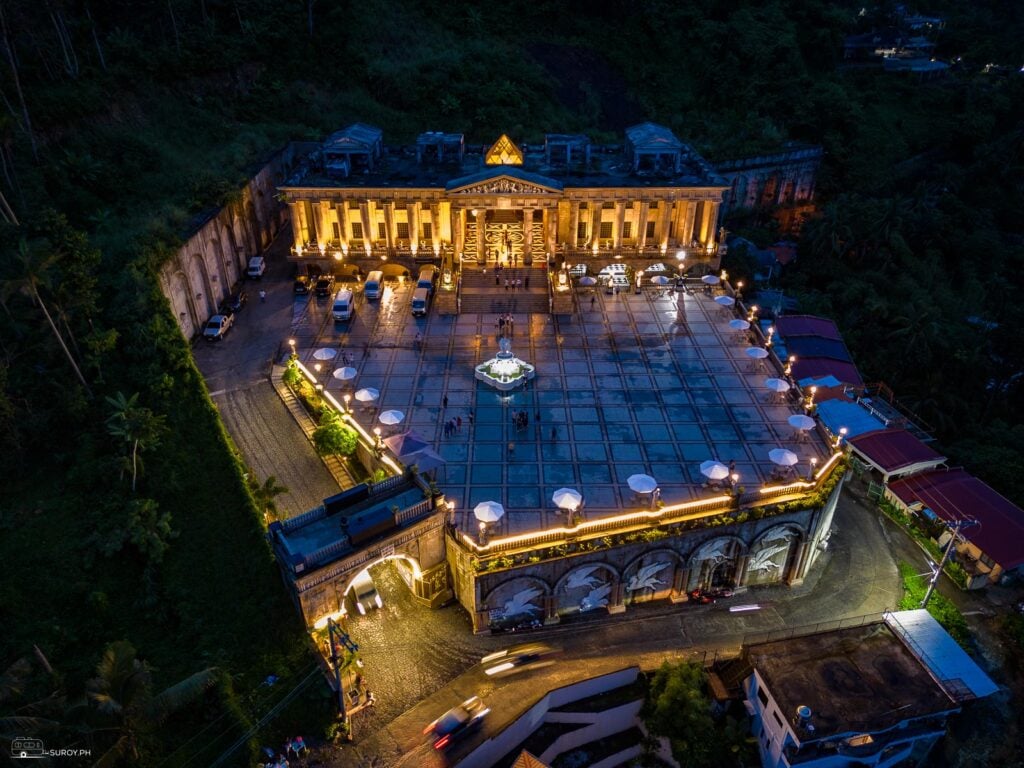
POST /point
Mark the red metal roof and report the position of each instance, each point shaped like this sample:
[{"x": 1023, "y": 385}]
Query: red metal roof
[
  {"x": 815, "y": 367},
  {"x": 893, "y": 449},
  {"x": 807, "y": 325},
  {"x": 956, "y": 495}
]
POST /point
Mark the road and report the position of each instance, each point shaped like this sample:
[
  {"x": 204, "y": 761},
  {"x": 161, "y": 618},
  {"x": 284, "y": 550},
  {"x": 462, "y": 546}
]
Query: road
[{"x": 418, "y": 672}]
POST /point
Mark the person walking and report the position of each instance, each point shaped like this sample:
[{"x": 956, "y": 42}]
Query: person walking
[
  {"x": 458, "y": 424},
  {"x": 519, "y": 283},
  {"x": 444, "y": 400},
  {"x": 554, "y": 434},
  {"x": 593, "y": 300},
  {"x": 497, "y": 278},
  {"x": 469, "y": 417},
  {"x": 263, "y": 296},
  {"x": 506, "y": 284},
  {"x": 526, "y": 282}
]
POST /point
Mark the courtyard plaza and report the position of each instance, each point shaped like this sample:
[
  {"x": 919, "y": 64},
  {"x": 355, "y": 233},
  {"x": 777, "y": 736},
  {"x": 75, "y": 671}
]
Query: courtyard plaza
[{"x": 652, "y": 383}]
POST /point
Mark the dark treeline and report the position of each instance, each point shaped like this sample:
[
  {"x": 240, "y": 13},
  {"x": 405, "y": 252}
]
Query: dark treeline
[{"x": 121, "y": 500}]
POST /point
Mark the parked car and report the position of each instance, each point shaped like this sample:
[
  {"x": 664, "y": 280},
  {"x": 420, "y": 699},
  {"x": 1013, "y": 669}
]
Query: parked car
[
  {"x": 257, "y": 266},
  {"x": 301, "y": 284},
  {"x": 456, "y": 722},
  {"x": 217, "y": 326},
  {"x": 325, "y": 285},
  {"x": 233, "y": 303},
  {"x": 518, "y": 658},
  {"x": 365, "y": 594}
]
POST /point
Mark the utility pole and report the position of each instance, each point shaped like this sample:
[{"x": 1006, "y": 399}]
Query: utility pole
[
  {"x": 950, "y": 546},
  {"x": 335, "y": 636}
]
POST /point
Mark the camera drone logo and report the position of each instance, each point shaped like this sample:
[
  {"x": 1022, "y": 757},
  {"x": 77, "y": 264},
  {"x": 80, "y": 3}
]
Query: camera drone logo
[{"x": 26, "y": 748}]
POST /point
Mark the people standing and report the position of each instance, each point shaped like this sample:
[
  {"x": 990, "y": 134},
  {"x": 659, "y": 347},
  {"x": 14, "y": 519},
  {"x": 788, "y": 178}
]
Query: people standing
[
  {"x": 444, "y": 400},
  {"x": 526, "y": 282},
  {"x": 506, "y": 284},
  {"x": 593, "y": 300}
]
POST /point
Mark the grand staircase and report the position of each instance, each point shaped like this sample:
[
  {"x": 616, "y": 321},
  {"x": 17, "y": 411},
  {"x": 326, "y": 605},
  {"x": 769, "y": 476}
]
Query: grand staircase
[{"x": 480, "y": 295}]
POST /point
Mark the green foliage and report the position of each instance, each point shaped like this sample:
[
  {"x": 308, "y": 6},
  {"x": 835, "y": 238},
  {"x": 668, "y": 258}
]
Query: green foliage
[
  {"x": 944, "y": 611},
  {"x": 264, "y": 494},
  {"x": 677, "y": 707},
  {"x": 333, "y": 438}
]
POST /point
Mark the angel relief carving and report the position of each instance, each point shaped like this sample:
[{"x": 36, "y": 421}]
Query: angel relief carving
[{"x": 504, "y": 186}]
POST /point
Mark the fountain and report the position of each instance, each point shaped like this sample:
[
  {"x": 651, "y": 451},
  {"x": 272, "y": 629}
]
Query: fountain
[{"x": 505, "y": 371}]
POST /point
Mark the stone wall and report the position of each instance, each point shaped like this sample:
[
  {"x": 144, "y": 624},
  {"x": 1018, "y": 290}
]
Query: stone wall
[
  {"x": 213, "y": 259},
  {"x": 766, "y": 181}
]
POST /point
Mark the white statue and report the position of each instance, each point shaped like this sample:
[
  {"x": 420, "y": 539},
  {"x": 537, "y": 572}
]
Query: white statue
[
  {"x": 583, "y": 578},
  {"x": 645, "y": 577},
  {"x": 598, "y": 598},
  {"x": 762, "y": 559},
  {"x": 520, "y": 603}
]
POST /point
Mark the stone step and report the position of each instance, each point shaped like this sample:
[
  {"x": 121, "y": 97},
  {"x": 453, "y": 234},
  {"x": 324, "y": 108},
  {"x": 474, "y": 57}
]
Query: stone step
[
  {"x": 476, "y": 279},
  {"x": 497, "y": 303}
]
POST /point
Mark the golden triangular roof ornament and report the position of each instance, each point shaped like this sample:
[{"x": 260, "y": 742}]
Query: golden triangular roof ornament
[{"x": 504, "y": 152}]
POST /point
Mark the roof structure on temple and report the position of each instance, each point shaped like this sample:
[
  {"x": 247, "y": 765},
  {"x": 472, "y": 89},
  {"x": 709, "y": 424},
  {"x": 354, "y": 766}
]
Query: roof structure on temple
[
  {"x": 504, "y": 152},
  {"x": 511, "y": 172},
  {"x": 356, "y": 137},
  {"x": 652, "y": 136}
]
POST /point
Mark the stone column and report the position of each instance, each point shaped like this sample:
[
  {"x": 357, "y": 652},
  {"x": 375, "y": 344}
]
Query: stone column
[
  {"x": 686, "y": 237},
  {"x": 551, "y": 229},
  {"x": 620, "y": 217},
  {"x": 341, "y": 210},
  {"x": 389, "y": 227},
  {"x": 641, "y": 224},
  {"x": 527, "y": 235},
  {"x": 435, "y": 227},
  {"x": 367, "y": 221},
  {"x": 299, "y": 233},
  {"x": 680, "y": 221},
  {"x": 481, "y": 235},
  {"x": 413, "y": 212},
  {"x": 550, "y": 609},
  {"x": 796, "y": 573},
  {"x": 574, "y": 223},
  {"x": 680, "y": 580},
  {"x": 666, "y": 217},
  {"x": 705, "y": 222},
  {"x": 616, "y": 599},
  {"x": 713, "y": 220},
  {"x": 740, "y": 574}
]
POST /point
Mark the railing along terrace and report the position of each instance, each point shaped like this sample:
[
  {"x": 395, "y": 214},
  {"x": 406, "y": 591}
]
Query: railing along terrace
[
  {"x": 647, "y": 519},
  {"x": 306, "y": 517}
]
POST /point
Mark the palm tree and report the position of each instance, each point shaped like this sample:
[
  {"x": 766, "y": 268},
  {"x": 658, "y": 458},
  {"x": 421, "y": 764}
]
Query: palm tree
[
  {"x": 122, "y": 694},
  {"x": 139, "y": 427},
  {"x": 265, "y": 494},
  {"x": 34, "y": 269}
]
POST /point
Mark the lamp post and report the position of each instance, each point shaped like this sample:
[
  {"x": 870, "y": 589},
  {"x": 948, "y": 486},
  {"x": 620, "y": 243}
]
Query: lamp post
[
  {"x": 788, "y": 370},
  {"x": 483, "y": 533},
  {"x": 771, "y": 332},
  {"x": 813, "y": 463},
  {"x": 840, "y": 437},
  {"x": 739, "y": 290},
  {"x": 937, "y": 568},
  {"x": 379, "y": 443},
  {"x": 809, "y": 405},
  {"x": 348, "y": 399},
  {"x": 291, "y": 344},
  {"x": 752, "y": 314},
  {"x": 317, "y": 368}
]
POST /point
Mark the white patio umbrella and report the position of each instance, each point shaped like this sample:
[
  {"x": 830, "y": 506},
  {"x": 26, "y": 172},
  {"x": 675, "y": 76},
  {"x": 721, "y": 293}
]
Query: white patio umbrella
[
  {"x": 725, "y": 301},
  {"x": 325, "y": 354},
  {"x": 567, "y": 498},
  {"x": 345, "y": 374},
  {"x": 367, "y": 395},
  {"x": 757, "y": 353},
  {"x": 714, "y": 470},
  {"x": 777, "y": 385},
  {"x": 783, "y": 457},
  {"x": 710, "y": 280},
  {"x": 391, "y": 418},
  {"x": 488, "y": 511},
  {"x": 739, "y": 324},
  {"x": 660, "y": 280},
  {"x": 801, "y": 422},
  {"x": 641, "y": 483},
  {"x": 588, "y": 280}
]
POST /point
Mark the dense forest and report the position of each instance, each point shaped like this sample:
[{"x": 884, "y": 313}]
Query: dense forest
[{"x": 122, "y": 501}]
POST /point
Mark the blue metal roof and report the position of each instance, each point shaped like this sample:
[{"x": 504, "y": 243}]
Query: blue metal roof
[
  {"x": 835, "y": 414},
  {"x": 956, "y": 672}
]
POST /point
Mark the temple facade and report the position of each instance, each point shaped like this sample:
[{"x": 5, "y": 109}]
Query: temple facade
[{"x": 460, "y": 205}]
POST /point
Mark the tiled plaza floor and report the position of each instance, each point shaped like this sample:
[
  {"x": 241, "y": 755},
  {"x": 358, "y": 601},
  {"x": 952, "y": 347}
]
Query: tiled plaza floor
[{"x": 638, "y": 384}]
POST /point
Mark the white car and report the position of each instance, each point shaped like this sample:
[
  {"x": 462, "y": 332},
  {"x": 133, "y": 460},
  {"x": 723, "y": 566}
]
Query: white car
[{"x": 217, "y": 326}]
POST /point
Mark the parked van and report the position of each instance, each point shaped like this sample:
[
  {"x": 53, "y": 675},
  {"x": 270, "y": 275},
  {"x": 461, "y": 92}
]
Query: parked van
[
  {"x": 365, "y": 594},
  {"x": 427, "y": 278},
  {"x": 374, "y": 284},
  {"x": 344, "y": 305},
  {"x": 257, "y": 266},
  {"x": 420, "y": 299}
]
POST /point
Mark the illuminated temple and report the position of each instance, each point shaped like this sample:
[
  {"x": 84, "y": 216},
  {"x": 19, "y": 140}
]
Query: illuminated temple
[{"x": 444, "y": 201}]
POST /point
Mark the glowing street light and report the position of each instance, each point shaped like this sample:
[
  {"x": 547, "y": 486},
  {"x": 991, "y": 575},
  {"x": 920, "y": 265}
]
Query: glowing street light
[
  {"x": 814, "y": 464},
  {"x": 317, "y": 367},
  {"x": 788, "y": 370},
  {"x": 348, "y": 399},
  {"x": 291, "y": 343}
]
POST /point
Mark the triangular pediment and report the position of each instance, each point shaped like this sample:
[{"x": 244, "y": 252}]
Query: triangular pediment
[
  {"x": 504, "y": 181},
  {"x": 504, "y": 152}
]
